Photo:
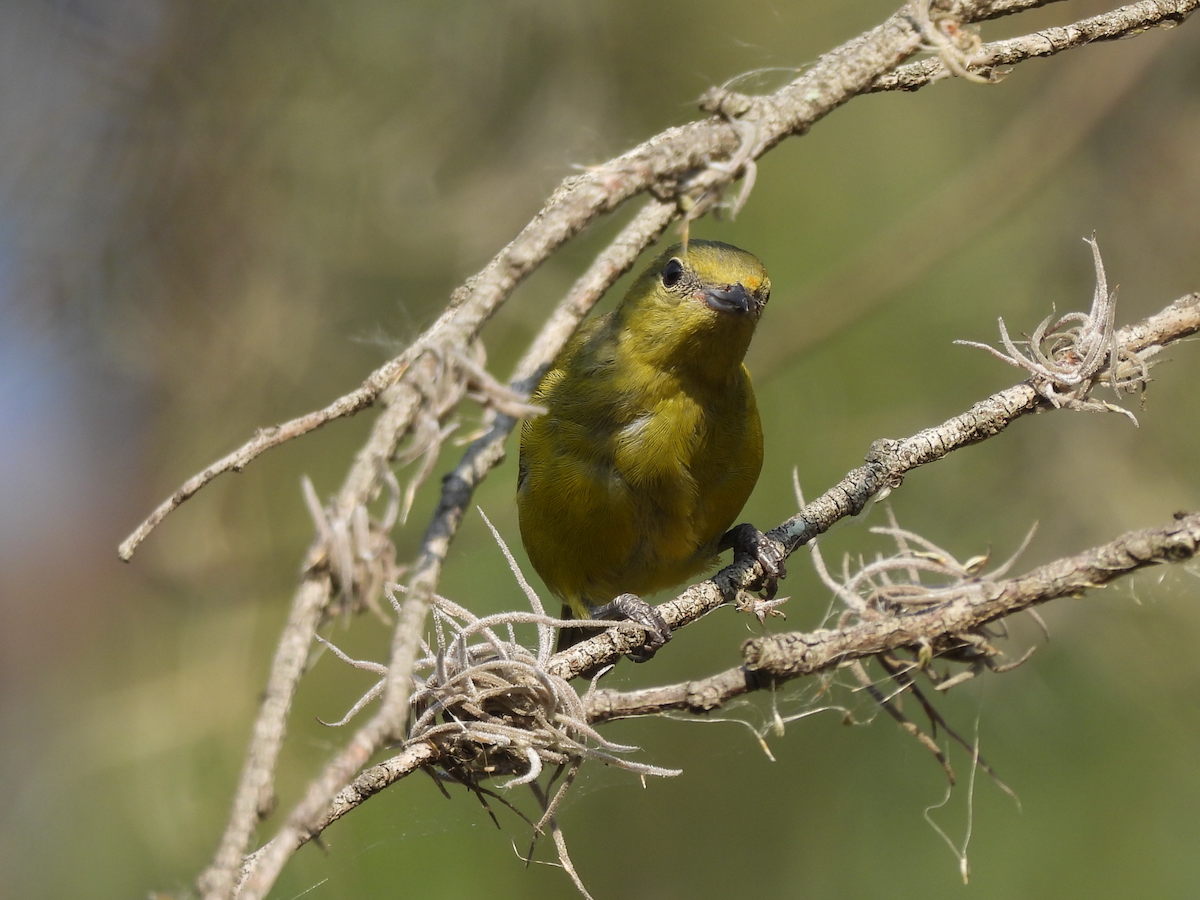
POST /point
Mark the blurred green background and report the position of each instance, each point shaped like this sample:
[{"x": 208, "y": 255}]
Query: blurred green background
[{"x": 217, "y": 216}]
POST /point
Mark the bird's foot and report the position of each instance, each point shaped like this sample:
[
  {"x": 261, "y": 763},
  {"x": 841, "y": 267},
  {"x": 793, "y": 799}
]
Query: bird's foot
[
  {"x": 634, "y": 609},
  {"x": 746, "y": 540}
]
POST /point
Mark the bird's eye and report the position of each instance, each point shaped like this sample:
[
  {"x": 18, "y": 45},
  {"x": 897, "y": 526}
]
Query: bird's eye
[
  {"x": 766, "y": 297},
  {"x": 672, "y": 272}
]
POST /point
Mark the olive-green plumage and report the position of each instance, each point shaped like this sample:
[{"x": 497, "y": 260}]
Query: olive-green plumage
[{"x": 651, "y": 443}]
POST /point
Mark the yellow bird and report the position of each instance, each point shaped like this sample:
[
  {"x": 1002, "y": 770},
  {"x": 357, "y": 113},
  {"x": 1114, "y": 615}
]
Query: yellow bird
[{"x": 651, "y": 444}]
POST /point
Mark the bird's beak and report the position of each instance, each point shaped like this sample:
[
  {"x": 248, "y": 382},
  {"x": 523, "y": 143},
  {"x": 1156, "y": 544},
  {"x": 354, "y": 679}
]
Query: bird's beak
[{"x": 731, "y": 299}]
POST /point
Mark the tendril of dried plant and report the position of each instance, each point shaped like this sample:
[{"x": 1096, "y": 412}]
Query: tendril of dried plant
[
  {"x": 357, "y": 549},
  {"x": 488, "y": 704},
  {"x": 887, "y": 586},
  {"x": 958, "y": 46},
  {"x": 1067, "y": 357}
]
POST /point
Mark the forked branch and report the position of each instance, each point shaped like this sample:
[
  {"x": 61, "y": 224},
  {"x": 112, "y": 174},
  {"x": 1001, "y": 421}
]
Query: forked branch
[{"x": 686, "y": 171}]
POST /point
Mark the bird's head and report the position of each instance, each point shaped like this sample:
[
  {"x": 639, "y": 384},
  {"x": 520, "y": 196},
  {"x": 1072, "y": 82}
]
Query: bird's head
[{"x": 700, "y": 305}]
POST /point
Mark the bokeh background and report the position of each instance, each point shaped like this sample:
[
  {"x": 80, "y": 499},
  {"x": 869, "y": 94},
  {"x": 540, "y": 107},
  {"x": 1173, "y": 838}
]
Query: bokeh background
[{"x": 217, "y": 216}]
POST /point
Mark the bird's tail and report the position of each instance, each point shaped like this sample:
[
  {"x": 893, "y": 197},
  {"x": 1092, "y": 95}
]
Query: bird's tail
[{"x": 569, "y": 637}]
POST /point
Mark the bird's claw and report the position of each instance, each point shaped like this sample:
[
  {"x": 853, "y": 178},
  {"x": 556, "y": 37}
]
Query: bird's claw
[
  {"x": 634, "y": 609},
  {"x": 746, "y": 540}
]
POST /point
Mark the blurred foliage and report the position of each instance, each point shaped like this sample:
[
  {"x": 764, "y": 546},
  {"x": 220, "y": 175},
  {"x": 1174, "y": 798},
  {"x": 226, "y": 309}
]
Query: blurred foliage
[{"x": 216, "y": 216}]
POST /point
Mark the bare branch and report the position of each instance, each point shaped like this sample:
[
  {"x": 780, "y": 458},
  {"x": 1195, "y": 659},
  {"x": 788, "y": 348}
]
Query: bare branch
[
  {"x": 369, "y": 783},
  {"x": 1110, "y": 26},
  {"x": 266, "y": 438},
  {"x": 928, "y": 630},
  {"x": 774, "y": 659}
]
